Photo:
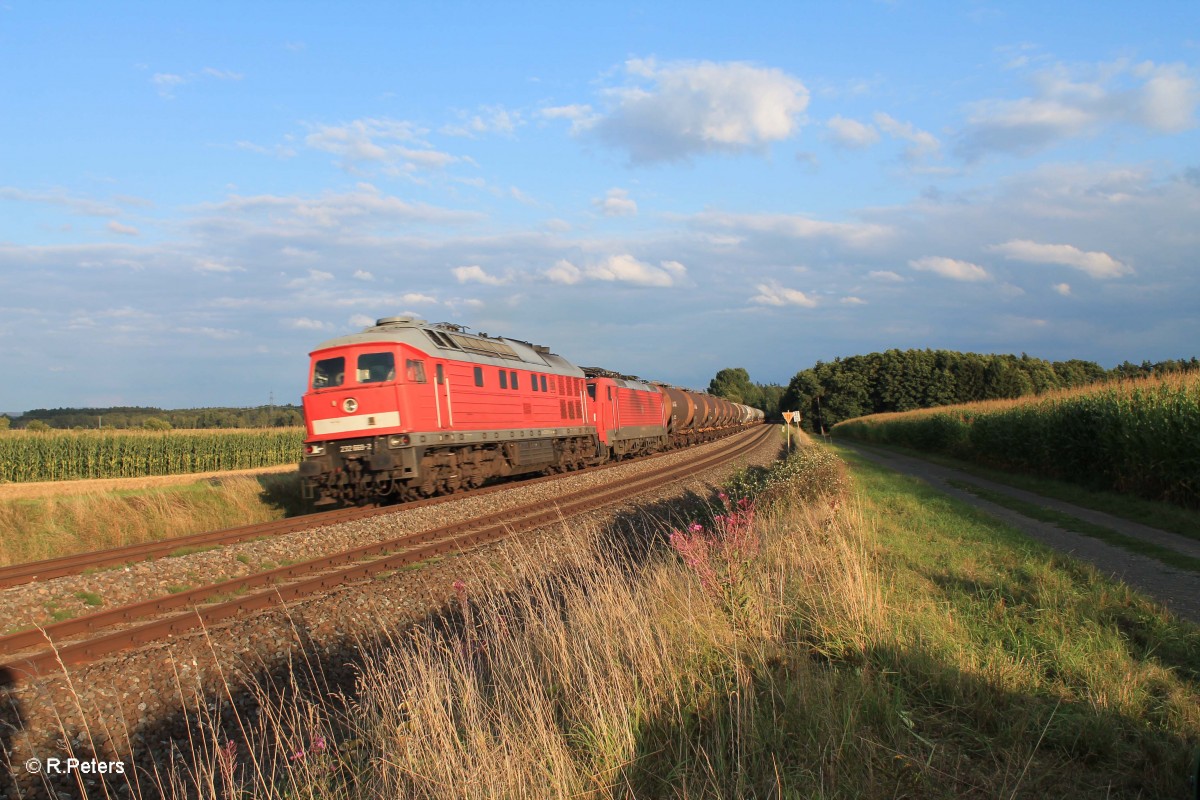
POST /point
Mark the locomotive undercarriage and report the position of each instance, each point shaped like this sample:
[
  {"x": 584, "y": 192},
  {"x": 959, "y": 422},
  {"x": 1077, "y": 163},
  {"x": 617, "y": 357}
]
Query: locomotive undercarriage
[{"x": 366, "y": 471}]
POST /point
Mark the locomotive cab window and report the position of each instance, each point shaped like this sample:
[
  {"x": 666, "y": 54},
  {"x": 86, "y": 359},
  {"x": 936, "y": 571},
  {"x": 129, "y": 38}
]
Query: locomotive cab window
[
  {"x": 414, "y": 370},
  {"x": 592, "y": 390},
  {"x": 329, "y": 372},
  {"x": 376, "y": 367}
]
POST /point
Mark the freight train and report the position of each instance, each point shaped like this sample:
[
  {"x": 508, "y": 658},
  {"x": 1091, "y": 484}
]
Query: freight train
[{"x": 408, "y": 409}]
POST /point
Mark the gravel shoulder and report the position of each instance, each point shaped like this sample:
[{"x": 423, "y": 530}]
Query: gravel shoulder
[{"x": 1176, "y": 588}]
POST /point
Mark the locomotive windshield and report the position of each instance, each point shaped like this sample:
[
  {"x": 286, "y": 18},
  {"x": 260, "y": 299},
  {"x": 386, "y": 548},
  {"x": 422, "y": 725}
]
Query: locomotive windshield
[
  {"x": 329, "y": 372},
  {"x": 376, "y": 367}
]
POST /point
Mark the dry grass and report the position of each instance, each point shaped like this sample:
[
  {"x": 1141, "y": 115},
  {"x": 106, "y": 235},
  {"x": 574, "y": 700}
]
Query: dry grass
[{"x": 54, "y": 525}]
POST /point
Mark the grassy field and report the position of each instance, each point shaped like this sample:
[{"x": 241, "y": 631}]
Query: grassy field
[
  {"x": 839, "y": 636},
  {"x": 74, "y": 455},
  {"x": 49, "y": 525},
  {"x": 1137, "y": 437}
]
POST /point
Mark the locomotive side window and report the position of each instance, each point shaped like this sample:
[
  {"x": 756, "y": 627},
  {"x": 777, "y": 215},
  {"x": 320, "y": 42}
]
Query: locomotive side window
[
  {"x": 513, "y": 375},
  {"x": 533, "y": 380},
  {"x": 441, "y": 375},
  {"x": 329, "y": 372},
  {"x": 414, "y": 370},
  {"x": 544, "y": 384},
  {"x": 376, "y": 367},
  {"x": 479, "y": 376},
  {"x": 592, "y": 390},
  {"x": 503, "y": 379}
]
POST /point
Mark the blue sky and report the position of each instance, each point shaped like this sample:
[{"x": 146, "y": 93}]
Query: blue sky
[{"x": 194, "y": 195}]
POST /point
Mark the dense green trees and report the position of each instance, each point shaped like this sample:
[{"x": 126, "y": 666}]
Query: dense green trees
[
  {"x": 734, "y": 384},
  {"x": 902, "y": 380}
]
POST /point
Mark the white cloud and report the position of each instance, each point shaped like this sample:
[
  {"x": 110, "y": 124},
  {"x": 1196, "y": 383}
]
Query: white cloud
[
  {"x": 622, "y": 268},
  {"x": 344, "y": 211},
  {"x": 922, "y": 144},
  {"x": 1082, "y": 101},
  {"x": 1063, "y": 288},
  {"x": 217, "y": 267},
  {"x": 851, "y": 133},
  {"x": 167, "y": 82},
  {"x": 950, "y": 268},
  {"x": 59, "y": 197},
  {"x": 772, "y": 293},
  {"x": 477, "y": 274},
  {"x": 363, "y": 275},
  {"x": 1098, "y": 265},
  {"x": 564, "y": 272},
  {"x": 617, "y": 203},
  {"x": 124, "y": 230},
  {"x": 885, "y": 275},
  {"x": 795, "y": 226},
  {"x": 851, "y": 300},
  {"x": 489, "y": 119},
  {"x": 680, "y": 109},
  {"x": 306, "y": 324},
  {"x": 392, "y": 144},
  {"x": 627, "y": 269},
  {"x": 314, "y": 276}
]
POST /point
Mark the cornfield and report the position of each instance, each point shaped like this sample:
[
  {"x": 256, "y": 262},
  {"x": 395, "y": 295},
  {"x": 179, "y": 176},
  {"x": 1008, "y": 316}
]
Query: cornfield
[
  {"x": 1136, "y": 437},
  {"x": 71, "y": 455}
]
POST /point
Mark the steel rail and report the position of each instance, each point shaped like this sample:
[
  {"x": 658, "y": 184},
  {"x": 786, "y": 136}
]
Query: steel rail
[
  {"x": 75, "y": 564},
  {"x": 388, "y": 555}
]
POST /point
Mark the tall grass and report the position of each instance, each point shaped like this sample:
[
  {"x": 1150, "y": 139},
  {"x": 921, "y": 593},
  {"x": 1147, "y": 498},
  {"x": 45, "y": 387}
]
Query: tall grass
[
  {"x": 892, "y": 644},
  {"x": 58, "y": 525},
  {"x": 71, "y": 455},
  {"x": 1137, "y": 437}
]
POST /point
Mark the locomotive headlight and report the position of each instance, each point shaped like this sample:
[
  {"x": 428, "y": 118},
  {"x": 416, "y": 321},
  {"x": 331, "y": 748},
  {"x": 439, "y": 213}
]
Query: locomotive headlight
[
  {"x": 397, "y": 441},
  {"x": 314, "y": 449},
  {"x": 349, "y": 405}
]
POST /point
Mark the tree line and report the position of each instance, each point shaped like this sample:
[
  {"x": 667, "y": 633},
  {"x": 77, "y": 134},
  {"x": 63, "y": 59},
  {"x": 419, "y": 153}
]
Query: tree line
[
  {"x": 903, "y": 380},
  {"x": 130, "y": 417}
]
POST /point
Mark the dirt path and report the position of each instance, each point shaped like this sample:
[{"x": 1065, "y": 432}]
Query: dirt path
[{"x": 1179, "y": 589}]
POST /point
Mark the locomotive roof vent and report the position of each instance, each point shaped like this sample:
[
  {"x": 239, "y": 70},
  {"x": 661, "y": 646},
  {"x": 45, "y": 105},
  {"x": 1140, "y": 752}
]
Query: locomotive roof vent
[{"x": 379, "y": 323}]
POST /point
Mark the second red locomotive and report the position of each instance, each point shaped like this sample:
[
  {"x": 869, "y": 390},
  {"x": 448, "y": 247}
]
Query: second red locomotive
[{"x": 406, "y": 409}]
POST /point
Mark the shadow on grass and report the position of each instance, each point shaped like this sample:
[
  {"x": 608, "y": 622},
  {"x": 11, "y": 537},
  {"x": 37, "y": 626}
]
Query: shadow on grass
[
  {"x": 893, "y": 723},
  {"x": 281, "y": 491}
]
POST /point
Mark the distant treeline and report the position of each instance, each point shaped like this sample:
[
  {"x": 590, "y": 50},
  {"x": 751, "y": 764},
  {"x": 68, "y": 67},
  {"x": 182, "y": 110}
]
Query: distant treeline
[
  {"x": 903, "y": 380},
  {"x": 127, "y": 417}
]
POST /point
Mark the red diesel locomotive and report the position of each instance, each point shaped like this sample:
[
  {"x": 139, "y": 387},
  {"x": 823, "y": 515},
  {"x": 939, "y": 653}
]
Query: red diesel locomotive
[{"x": 407, "y": 409}]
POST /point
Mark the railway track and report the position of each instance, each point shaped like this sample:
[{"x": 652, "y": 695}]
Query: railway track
[
  {"x": 19, "y": 574},
  {"x": 207, "y": 605}
]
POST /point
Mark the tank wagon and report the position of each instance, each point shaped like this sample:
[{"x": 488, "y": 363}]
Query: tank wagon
[{"x": 407, "y": 409}]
